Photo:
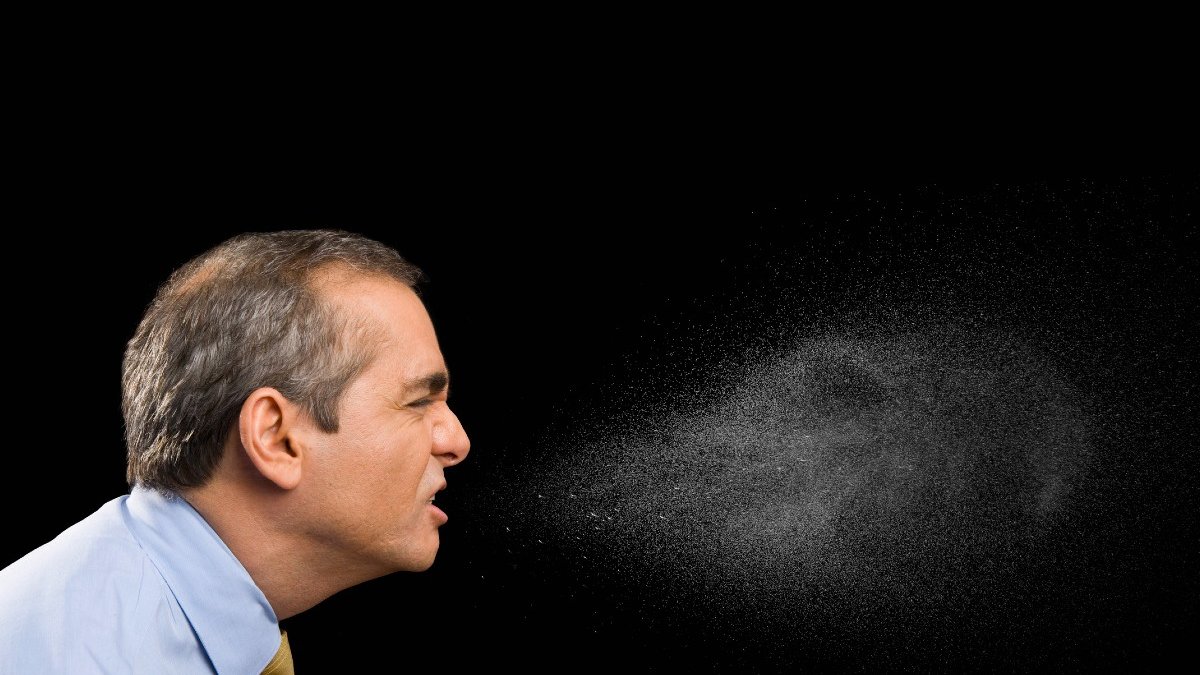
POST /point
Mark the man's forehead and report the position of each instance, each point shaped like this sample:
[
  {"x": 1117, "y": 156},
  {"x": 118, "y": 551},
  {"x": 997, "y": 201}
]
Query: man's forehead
[
  {"x": 388, "y": 316},
  {"x": 391, "y": 308}
]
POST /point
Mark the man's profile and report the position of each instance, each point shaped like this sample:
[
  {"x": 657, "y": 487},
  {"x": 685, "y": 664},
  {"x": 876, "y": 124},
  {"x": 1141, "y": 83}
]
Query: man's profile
[{"x": 287, "y": 430}]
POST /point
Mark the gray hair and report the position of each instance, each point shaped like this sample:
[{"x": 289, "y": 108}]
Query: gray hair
[{"x": 243, "y": 315}]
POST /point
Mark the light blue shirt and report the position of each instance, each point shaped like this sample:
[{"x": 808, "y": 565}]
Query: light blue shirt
[{"x": 143, "y": 585}]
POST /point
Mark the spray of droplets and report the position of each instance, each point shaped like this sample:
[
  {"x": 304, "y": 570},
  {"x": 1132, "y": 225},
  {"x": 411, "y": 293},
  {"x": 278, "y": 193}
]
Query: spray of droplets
[
  {"x": 858, "y": 479},
  {"x": 909, "y": 471}
]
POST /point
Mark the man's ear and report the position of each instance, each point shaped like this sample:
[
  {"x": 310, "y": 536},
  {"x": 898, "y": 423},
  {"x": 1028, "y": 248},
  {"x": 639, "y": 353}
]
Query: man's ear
[{"x": 269, "y": 426}]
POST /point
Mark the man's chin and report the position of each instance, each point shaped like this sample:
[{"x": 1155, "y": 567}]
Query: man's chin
[{"x": 421, "y": 560}]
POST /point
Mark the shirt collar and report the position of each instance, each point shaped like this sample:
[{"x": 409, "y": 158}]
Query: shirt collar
[{"x": 230, "y": 615}]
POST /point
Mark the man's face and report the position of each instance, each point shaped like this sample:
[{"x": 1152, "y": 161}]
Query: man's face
[{"x": 375, "y": 478}]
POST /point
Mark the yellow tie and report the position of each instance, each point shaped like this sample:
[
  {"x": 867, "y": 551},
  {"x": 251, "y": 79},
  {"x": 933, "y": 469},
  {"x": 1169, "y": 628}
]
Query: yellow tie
[{"x": 281, "y": 663}]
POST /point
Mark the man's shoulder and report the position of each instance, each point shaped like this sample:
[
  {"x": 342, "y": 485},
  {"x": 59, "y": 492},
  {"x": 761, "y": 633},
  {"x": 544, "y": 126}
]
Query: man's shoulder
[
  {"x": 93, "y": 584},
  {"x": 98, "y": 543}
]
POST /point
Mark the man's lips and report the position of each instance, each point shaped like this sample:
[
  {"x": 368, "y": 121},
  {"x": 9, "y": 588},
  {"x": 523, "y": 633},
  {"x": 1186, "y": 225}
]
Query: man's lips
[{"x": 439, "y": 514}]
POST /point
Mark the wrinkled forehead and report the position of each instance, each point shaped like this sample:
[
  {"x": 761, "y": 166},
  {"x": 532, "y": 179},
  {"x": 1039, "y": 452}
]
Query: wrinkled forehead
[{"x": 382, "y": 310}]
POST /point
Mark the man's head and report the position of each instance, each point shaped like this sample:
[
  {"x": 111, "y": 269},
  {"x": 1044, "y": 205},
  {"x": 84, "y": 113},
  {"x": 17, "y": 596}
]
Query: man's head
[{"x": 302, "y": 365}]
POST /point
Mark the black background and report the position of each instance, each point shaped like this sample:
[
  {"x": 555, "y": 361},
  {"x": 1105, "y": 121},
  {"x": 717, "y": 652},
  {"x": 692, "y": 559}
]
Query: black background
[{"x": 549, "y": 264}]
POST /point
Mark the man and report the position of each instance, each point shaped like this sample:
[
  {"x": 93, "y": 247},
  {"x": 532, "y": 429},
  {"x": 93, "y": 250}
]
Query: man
[{"x": 287, "y": 430}]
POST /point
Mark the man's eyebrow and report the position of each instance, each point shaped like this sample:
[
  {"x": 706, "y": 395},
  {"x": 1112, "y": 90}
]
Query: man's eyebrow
[{"x": 433, "y": 383}]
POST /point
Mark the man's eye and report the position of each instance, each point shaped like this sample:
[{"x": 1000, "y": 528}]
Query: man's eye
[{"x": 421, "y": 403}]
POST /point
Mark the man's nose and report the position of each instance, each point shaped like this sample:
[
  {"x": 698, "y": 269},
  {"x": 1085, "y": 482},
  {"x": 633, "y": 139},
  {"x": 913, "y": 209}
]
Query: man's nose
[{"x": 450, "y": 442}]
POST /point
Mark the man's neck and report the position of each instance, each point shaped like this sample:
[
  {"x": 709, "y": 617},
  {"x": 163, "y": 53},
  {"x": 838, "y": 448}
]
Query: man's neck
[{"x": 292, "y": 572}]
